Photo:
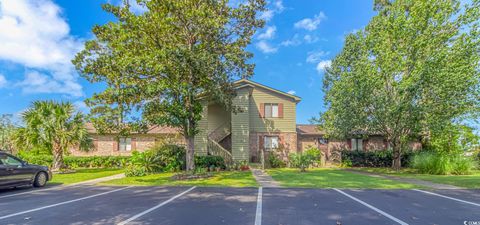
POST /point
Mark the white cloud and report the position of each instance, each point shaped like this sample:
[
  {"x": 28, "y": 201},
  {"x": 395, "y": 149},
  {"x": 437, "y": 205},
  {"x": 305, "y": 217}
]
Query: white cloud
[
  {"x": 81, "y": 106},
  {"x": 322, "y": 65},
  {"x": 265, "y": 47},
  {"x": 313, "y": 57},
  {"x": 276, "y": 8},
  {"x": 3, "y": 81},
  {"x": 310, "y": 24},
  {"x": 310, "y": 38},
  {"x": 269, "y": 33},
  {"x": 39, "y": 39},
  {"x": 295, "y": 41},
  {"x": 36, "y": 82},
  {"x": 292, "y": 92},
  {"x": 279, "y": 6},
  {"x": 267, "y": 15}
]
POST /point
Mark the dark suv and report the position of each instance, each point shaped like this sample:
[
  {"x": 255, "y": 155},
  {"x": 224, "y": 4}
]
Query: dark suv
[{"x": 16, "y": 172}]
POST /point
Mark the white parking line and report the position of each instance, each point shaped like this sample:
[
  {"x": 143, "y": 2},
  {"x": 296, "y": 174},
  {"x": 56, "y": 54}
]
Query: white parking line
[
  {"x": 61, "y": 203},
  {"x": 447, "y": 197},
  {"x": 155, "y": 207},
  {"x": 38, "y": 190},
  {"x": 372, "y": 207},
  {"x": 258, "y": 215}
]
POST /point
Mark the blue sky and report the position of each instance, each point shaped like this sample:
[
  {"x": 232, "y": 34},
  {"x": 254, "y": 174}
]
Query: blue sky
[{"x": 38, "y": 38}]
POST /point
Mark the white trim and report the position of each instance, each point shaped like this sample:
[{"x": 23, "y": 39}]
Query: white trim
[
  {"x": 155, "y": 207},
  {"x": 451, "y": 198},
  {"x": 258, "y": 215},
  {"x": 61, "y": 203},
  {"x": 372, "y": 207}
]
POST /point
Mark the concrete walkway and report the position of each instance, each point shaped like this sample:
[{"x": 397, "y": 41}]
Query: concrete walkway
[
  {"x": 99, "y": 180},
  {"x": 423, "y": 183},
  {"x": 264, "y": 179}
]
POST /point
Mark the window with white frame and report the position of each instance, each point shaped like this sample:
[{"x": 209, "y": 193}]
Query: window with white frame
[
  {"x": 125, "y": 144},
  {"x": 271, "y": 110},
  {"x": 357, "y": 144},
  {"x": 270, "y": 142}
]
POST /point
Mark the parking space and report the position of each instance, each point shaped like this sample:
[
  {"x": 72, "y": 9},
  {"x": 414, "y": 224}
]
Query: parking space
[
  {"x": 315, "y": 206},
  {"x": 415, "y": 207},
  {"x": 207, "y": 206},
  {"x": 231, "y": 206},
  {"x": 110, "y": 208}
]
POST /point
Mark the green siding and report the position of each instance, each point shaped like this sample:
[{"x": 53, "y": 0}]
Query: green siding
[
  {"x": 217, "y": 116},
  {"x": 200, "y": 141},
  {"x": 241, "y": 125},
  {"x": 285, "y": 124}
]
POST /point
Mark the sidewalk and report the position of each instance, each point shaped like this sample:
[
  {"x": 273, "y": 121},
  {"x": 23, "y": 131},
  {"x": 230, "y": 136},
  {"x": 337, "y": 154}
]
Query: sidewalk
[
  {"x": 264, "y": 179},
  {"x": 423, "y": 183},
  {"x": 99, "y": 180}
]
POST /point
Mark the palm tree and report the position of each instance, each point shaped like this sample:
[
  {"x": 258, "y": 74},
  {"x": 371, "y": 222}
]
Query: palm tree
[{"x": 55, "y": 126}]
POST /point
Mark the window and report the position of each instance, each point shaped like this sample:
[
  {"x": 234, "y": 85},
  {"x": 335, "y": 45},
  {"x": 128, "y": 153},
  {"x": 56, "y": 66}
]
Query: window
[
  {"x": 357, "y": 144},
  {"x": 322, "y": 141},
  {"x": 271, "y": 110},
  {"x": 9, "y": 161},
  {"x": 270, "y": 142},
  {"x": 125, "y": 144}
]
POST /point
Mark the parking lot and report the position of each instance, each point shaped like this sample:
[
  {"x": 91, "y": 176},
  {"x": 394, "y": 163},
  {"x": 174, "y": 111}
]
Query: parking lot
[{"x": 84, "y": 204}]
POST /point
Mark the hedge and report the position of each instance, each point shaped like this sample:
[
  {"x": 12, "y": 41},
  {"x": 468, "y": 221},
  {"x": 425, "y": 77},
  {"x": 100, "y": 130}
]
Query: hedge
[
  {"x": 80, "y": 161},
  {"x": 382, "y": 158},
  {"x": 208, "y": 161}
]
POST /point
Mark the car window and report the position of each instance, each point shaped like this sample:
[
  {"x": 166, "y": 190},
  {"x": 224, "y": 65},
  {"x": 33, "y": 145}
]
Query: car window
[{"x": 10, "y": 161}]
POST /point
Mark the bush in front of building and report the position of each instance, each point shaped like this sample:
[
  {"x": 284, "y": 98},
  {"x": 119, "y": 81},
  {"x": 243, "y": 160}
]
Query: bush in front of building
[
  {"x": 274, "y": 161},
  {"x": 379, "y": 158},
  {"x": 74, "y": 162},
  {"x": 301, "y": 161},
  {"x": 210, "y": 162}
]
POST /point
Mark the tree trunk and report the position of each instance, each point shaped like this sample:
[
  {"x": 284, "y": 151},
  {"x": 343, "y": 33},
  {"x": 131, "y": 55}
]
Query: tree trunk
[
  {"x": 58, "y": 163},
  {"x": 190, "y": 154},
  {"x": 397, "y": 157}
]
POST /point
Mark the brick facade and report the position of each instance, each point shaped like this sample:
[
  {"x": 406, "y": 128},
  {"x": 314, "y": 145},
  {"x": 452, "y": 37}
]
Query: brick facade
[
  {"x": 107, "y": 145},
  {"x": 287, "y": 144}
]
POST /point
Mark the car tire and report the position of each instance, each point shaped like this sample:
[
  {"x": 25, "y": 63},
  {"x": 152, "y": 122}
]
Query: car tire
[{"x": 40, "y": 179}]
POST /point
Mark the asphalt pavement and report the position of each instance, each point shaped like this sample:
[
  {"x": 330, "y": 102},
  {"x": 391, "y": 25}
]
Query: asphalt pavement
[{"x": 91, "y": 204}]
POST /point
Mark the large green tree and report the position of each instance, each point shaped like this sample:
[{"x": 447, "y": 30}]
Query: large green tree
[
  {"x": 7, "y": 129},
  {"x": 55, "y": 126},
  {"x": 412, "y": 70},
  {"x": 166, "y": 61}
]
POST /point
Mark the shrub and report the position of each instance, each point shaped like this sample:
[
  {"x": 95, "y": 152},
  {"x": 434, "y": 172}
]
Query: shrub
[
  {"x": 78, "y": 161},
  {"x": 209, "y": 161},
  {"x": 315, "y": 154},
  {"x": 171, "y": 157},
  {"x": 274, "y": 161},
  {"x": 160, "y": 158},
  {"x": 382, "y": 158},
  {"x": 301, "y": 161},
  {"x": 147, "y": 160},
  {"x": 442, "y": 164},
  {"x": 135, "y": 171}
]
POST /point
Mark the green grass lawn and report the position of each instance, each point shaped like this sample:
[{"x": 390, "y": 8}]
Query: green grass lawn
[
  {"x": 83, "y": 175},
  {"x": 467, "y": 181},
  {"x": 333, "y": 178},
  {"x": 221, "y": 179}
]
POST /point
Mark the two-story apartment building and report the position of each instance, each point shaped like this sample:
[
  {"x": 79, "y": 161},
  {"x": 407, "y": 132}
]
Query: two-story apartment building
[{"x": 264, "y": 119}]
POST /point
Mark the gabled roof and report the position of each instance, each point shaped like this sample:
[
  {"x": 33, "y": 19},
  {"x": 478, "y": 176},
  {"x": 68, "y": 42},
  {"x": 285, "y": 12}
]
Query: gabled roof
[
  {"x": 151, "y": 130},
  {"x": 244, "y": 82},
  {"x": 309, "y": 129}
]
